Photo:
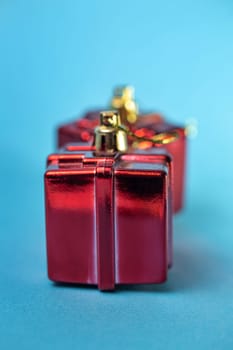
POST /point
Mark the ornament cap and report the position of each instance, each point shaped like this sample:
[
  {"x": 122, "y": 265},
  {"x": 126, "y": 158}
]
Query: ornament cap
[
  {"x": 109, "y": 139},
  {"x": 123, "y": 100}
]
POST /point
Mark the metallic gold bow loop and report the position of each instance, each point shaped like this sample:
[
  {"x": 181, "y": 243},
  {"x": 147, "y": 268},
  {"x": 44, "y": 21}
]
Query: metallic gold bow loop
[{"x": 162, "y": 138}]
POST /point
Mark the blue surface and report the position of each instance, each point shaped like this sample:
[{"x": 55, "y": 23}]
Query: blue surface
[{"x": 60, "y": 57}]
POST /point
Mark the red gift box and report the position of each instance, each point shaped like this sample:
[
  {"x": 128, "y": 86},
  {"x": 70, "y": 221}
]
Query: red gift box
[
  {"x": 82, "y": 130},
  {"x": 108, "y": 217}
]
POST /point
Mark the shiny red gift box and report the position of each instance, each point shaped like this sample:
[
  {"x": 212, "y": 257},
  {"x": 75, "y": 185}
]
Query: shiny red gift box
[
  {"x": 82, "y": 130},
  {"x": 108, "y": 219}
]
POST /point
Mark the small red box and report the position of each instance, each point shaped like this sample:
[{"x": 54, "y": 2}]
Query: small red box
[
  {"x": 82, "y": 130},
  {"x": 108, "y": 219}
]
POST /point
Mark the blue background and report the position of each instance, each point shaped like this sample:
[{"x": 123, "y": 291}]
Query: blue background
[{"x": 58, "y": 58}]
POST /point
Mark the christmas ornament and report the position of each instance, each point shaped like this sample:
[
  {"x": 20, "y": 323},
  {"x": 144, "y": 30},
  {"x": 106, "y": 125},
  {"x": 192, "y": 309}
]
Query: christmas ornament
[
  {"x": 109, "y": 206},
  {"x": 144, "y": 125}
]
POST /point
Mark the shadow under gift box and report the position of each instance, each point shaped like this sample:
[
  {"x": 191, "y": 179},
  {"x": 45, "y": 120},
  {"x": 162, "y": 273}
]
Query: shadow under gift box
[
  {"x": 108, "y": 219},
  {"x": 82, "y": 130}
]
